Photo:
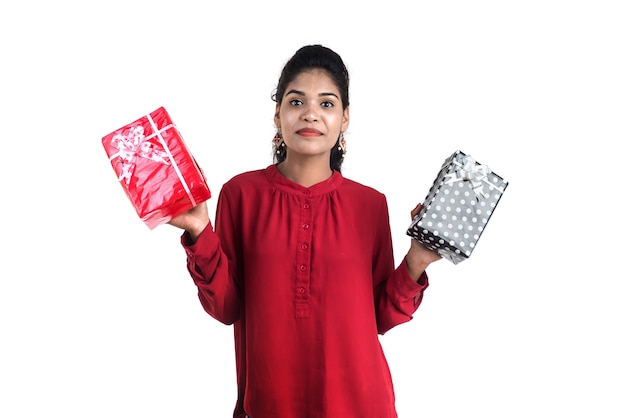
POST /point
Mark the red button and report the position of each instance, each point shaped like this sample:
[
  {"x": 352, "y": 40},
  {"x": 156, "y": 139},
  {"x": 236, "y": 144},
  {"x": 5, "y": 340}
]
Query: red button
[
  {"x": 306, "y": 206},
  {"x": 302, "y": 290},
  {"x": 304, "y": 246},
  {"x": 305, "y": 226},
  {"x": 302, "y": 267}
]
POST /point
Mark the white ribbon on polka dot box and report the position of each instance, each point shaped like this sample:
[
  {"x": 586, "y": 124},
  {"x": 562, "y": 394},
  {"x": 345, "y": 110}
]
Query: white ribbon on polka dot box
[{"x": 457, "y": 207}]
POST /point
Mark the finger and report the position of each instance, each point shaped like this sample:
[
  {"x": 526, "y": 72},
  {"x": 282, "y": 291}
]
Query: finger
[{"x": 416, "y": 210}]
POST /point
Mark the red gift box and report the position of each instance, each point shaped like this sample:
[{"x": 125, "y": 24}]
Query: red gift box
[{"x": 158, "y": 173}]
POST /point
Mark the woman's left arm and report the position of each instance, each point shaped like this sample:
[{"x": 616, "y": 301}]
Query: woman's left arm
[{"x": 398, "y": 291}]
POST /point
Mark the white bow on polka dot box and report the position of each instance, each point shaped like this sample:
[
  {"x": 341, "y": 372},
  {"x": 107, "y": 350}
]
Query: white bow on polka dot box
[{"x": 457, "y": 207}]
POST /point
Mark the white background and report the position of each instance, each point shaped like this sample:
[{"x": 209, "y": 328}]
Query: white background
[{"x": 98, "y": 316}]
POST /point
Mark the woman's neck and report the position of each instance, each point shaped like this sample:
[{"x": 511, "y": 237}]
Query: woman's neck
[{"x": 306, "y": 172}]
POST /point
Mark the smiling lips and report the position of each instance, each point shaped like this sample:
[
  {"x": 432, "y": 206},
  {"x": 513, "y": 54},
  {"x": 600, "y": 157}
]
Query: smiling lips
[{"x": 308, "y": 132}]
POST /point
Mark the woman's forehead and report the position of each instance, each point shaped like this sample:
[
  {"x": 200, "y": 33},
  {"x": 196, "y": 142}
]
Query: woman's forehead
[{"x": 314, "y": 79}]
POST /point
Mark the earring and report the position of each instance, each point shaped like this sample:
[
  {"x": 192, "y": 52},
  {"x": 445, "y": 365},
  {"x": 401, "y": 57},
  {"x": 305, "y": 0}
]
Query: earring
[
  {"x": 342, "y": 144},
  {"x": 278, "y": 138},
  {"x": 277, "y": 141}
]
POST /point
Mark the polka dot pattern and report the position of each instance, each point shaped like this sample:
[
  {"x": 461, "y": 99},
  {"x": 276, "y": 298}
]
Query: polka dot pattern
[{"x": 453, "y": 214}]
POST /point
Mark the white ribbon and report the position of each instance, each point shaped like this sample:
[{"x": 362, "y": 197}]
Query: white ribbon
[
  {"x": 471, "y": 171},
  {"x": 132, "y": 145}
]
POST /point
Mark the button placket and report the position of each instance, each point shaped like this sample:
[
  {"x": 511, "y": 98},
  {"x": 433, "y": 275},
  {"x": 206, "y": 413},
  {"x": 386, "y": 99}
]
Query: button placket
[{"x": 303, "y": 258}]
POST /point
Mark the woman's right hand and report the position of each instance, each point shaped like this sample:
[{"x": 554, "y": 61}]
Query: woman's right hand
[{"x": 194, "y": 221}]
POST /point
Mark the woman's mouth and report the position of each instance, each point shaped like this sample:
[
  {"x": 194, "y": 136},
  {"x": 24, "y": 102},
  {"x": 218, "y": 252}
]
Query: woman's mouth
[{"x": 308, "y": 132}]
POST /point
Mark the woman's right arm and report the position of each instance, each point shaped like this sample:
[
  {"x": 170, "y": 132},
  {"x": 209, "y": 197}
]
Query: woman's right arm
[{"x": 211, "y": 259}]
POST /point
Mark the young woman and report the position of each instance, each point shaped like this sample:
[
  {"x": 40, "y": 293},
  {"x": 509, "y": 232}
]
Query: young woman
[{"x": 301, "y": 262}]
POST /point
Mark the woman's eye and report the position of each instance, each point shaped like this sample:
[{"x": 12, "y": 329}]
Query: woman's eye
[
  {"x": 327, "y": 104},
  {"x": 295, "y": 102}
]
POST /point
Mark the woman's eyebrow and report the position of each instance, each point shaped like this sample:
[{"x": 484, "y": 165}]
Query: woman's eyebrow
[
  {"x": 298, "y": 92},
  {"x": 301, "y": 93}
]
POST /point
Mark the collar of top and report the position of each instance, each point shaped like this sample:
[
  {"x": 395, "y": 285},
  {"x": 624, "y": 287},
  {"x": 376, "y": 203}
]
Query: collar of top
[{"x": 284, "y": 184}]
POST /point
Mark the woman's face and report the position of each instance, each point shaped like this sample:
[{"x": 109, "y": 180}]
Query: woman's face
[{"x": 311, "y": 114}]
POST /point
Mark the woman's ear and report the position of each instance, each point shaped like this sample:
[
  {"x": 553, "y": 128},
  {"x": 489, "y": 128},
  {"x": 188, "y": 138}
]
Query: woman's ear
[
  {"x": 277, "y": 116},
  {"x": 346, "y": 119}
]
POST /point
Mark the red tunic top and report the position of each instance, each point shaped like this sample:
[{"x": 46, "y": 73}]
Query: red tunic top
[{"x": 307, "y": 277}]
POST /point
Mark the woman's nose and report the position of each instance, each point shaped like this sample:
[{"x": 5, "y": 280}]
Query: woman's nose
[{"x": 310, "y": 114}]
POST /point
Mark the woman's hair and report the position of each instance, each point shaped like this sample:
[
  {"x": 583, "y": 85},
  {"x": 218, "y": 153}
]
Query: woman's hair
[{"x": 315, "y": 57}]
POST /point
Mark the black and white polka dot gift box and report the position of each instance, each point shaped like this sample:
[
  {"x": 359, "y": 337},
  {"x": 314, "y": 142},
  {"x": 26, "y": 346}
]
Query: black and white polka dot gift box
[{"x": 457, "y": 208}]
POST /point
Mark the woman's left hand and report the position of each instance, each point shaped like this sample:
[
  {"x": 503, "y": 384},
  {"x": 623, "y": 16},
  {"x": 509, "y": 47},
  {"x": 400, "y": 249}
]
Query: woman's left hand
[{"x": 419, "y": 257}]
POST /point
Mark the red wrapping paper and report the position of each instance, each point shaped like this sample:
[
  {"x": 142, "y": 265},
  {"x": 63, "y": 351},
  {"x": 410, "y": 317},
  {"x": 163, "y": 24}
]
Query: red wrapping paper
[{"x": 156, "y": 170}]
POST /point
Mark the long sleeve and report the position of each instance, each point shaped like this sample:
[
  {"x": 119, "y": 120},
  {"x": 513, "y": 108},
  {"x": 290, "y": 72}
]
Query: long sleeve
[
  {"x": 397, "y": 295},
  {"x": 211, "y": 261}
]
